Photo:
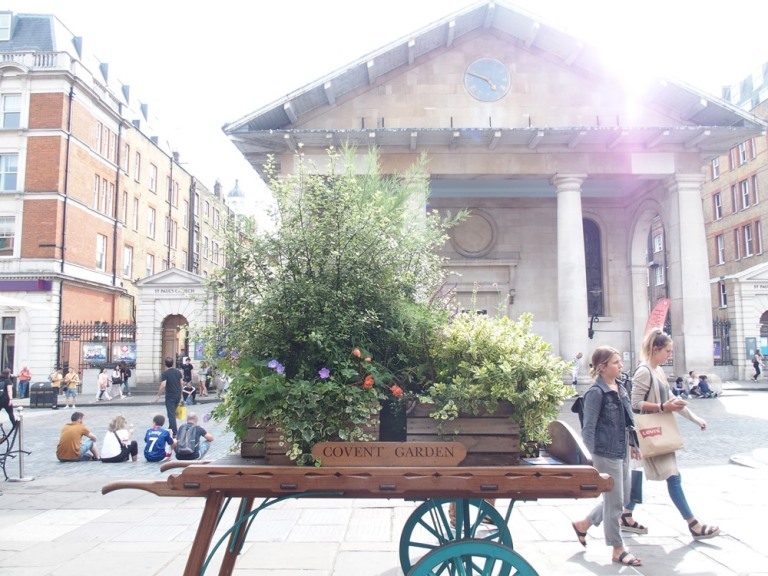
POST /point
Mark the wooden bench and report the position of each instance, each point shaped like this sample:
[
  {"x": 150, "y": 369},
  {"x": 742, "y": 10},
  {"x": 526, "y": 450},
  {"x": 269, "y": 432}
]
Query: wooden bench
[{"x": 247, "y": 479}]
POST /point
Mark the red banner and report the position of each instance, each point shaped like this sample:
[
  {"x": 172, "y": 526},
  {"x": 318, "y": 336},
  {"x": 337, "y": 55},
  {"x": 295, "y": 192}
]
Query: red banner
[{"x": 658, "y": 315}]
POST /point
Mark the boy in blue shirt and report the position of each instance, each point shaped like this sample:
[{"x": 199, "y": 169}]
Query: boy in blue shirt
[{"x": 156, "y": 439}]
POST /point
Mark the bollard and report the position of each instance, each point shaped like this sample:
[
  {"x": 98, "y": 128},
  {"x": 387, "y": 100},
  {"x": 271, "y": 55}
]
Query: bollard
[{"x": 20, "y": 450}]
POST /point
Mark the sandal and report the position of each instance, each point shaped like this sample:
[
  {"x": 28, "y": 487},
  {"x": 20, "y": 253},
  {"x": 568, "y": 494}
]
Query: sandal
[
  {"x": 705, "y": 532},
  {"x": 582, "y": 536},
  {"x": 635, "y": 526},
  {"x": 628, "y": 559}
]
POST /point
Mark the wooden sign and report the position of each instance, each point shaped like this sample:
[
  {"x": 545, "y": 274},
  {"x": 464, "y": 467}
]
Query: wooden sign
[{"x": 389, "y": 453}]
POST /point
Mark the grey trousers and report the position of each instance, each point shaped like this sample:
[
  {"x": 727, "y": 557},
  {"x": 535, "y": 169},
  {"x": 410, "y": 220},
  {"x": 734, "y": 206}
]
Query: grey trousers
[{"x": 613, "y": 502}]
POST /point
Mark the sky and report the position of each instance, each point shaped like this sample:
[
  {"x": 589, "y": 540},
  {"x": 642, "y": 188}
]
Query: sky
[{"x": 201, "y": 64}]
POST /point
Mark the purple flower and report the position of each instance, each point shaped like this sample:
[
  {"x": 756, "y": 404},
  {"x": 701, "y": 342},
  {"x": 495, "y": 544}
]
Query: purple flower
[
  {"x": 324, "y": 373},
  {"x": 272, "y": 364},
  {"x": 280, "y": 369}
]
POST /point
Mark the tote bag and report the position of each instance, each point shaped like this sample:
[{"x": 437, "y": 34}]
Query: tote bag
[{"x": 658, "y": 434}]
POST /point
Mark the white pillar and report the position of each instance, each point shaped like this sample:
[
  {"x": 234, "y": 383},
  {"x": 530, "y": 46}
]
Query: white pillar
[
  {"x": 573, "y": 319},
  {"x": 688, "y": 275}
]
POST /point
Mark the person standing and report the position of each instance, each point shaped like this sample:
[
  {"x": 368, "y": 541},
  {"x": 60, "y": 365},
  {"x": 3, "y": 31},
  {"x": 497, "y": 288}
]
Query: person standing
[
  {"x": 156, "y": 439},
  {"x": 606, "y": 432},
  {"x": 757, "y": 362},
  {"x": 575, "y": 368},
  {"x": 205, "y": 378},
  {"x": 6, "y": 395},
  {"x": 118, "y": 445},
  {"x": 76, "y": 443},
  {"x": 650, "y": 393},
  {"x": 70, "y": 383},
  {"x": 117, "y": 382},
  {"x": 56, "y": 379},
  {"x": 171, "y": 384},
  {"x": 103, "y": 385},
  {"x": 195, "y": 437},
  {"x": 24, "y": 378},
  {"x": 187, "y": 368},
  {"x": 125, "y": 374}
]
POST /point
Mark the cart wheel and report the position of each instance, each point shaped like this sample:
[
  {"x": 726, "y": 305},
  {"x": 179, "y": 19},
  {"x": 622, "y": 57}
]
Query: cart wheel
[
  {"x": 429, "y": 527},
  {"x": 472, "y": 556}
]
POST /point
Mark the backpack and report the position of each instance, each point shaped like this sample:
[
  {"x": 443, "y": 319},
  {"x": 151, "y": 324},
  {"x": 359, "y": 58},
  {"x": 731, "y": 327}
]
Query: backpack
[
  {"x": 185, "y": 443},
  {"x": 625, "y": 380}
]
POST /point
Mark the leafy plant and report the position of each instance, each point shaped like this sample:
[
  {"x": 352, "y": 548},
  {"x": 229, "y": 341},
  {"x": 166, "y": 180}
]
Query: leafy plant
[
  {"x": 479, "y": 361},
  {"x": 349, "y": 262}
]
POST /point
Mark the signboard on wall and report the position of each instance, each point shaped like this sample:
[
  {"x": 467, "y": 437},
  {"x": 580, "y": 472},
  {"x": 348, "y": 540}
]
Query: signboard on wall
[
  {"x": 94, "y": 352},
  {"x": 751, "y": 345},
  {"x": 124, "y": 352}
]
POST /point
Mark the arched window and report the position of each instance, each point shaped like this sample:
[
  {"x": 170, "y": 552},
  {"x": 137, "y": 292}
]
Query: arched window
[{"x": 593, "y": 259}]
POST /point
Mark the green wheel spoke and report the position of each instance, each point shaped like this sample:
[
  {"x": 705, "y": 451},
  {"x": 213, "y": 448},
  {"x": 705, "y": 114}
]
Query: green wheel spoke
[{"x": 472, "y": 557}]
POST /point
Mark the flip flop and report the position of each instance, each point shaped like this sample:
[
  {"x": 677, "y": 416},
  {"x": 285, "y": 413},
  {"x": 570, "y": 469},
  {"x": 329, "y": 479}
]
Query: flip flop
[
  {"x": 628, "y": 559},
  {"x": 582, "y": 536}
]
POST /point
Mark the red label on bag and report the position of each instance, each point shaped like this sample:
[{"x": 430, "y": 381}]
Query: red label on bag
[{"x": 648, "y": 432}]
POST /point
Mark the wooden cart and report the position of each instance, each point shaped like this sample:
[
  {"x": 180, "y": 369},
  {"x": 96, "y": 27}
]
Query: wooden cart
[{"x": 476, "y": 541}]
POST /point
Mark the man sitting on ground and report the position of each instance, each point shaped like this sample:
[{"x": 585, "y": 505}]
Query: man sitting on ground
[
  {"x": 76, "y": 443},
  {"x": 192, "y": 441}
]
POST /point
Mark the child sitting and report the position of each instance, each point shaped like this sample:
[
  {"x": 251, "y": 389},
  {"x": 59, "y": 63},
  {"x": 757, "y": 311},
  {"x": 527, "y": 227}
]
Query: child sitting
[{"x": 156, "y": 439}]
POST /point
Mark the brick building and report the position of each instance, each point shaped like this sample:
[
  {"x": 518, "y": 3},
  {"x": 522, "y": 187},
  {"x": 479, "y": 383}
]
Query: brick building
[{"x": 91, "y": 205}]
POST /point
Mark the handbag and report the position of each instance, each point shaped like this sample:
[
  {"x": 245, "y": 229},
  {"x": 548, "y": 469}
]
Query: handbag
[
  {"x": 181, "y": 412},
  {"x": 636, "y": 491}
]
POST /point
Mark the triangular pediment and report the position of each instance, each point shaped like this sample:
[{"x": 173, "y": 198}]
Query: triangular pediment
[
  {"x": 171, "y": 277},
  {"x": 757, "y": 273},
  {"x": 413, "y": 95}
]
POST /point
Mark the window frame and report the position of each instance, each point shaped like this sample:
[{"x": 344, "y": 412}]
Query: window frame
[
  {"x": 127, "y": 261},
  {"x": 717, "y": 206},
  {"x": 716, "y": 168},
  {"x": 720, "y": 249},
  {"x": 101, "y": 252},
  {"x": 152, "y": 178},
  {"x": 9, "y": 169},
  {"x": 744, "y": 193},
  {"x": 749, "y": 240},
  {"x": 7, "y": 230},
  {"x": 723, "y": 294},
  {"x": 151, "y": 222},
  {"x": 11, "y": 112}
]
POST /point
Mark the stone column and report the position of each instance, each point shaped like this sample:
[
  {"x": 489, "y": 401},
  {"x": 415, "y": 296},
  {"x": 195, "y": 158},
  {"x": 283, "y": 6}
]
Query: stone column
[
  {"x": 571, "y": 269},
  {"x": 688, "y": 275}
]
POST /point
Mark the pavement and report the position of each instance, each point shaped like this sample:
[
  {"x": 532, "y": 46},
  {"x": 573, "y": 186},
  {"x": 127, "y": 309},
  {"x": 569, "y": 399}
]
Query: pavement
[{"x": 56, "y": 522}]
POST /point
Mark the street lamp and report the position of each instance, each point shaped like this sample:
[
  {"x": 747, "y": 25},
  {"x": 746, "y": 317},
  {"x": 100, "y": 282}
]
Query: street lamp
[{"x": 591, "y": 331}]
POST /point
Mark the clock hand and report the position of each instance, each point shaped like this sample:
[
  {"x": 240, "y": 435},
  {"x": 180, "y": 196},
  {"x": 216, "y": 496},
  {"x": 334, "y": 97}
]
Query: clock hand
[{"x": 481, "y": 77}]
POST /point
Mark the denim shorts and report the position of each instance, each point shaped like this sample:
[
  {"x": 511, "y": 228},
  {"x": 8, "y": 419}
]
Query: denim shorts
[{"x": 70, "y": 392}]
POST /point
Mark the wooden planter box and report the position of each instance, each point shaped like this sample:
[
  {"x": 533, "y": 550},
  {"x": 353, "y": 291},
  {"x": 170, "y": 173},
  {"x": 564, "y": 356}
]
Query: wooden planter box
[
  {"x": 490, "y": 439},
  {"x": 253, "y": 444}
]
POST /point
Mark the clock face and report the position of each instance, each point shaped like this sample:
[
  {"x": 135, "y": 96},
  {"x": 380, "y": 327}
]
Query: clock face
[{"x": 487, "y": 79}]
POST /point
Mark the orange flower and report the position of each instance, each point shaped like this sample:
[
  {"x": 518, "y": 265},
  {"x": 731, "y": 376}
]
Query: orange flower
[
  {"x": 368, "y": 382},
  {"x": 368, "y": 359},
  {"x": 397, "y": 392},
  {"x": 356, "y": 352}
]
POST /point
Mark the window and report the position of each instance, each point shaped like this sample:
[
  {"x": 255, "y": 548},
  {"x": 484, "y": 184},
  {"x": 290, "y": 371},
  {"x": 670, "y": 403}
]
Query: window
[
  {"x": 184, "y": 259},
  {"x": 196, "y": 207},
  {"x": 206, "y": 210},
  {"x": 124, "y": 208},
  {"x": 658, "y": 273},
  {"x": 151, "y": 222},
  {"x": 716, "y": 168},
  {"x": 215, "y": 252},
  {"x": 111, "y": 200},
  {"x": 5, "y": 26},
  {"x": 185, "y": 214},
  {"x": 753, "y": 148},
  {"x": 103, "y": 197},
  {"x": 150, "y": 265},
  {"x": 734, "y": 198},
  {"x": 720, "y": 248},
  {"x": 153, "y": 178},
  {"x": 9, "y": 172},
  {"x": 749, "y": 241},
  {"x": 99, "y": 131},
  {"x": 216, "y": 219},
  {"x": 137, "y": 167},
  {"x": 658, "y": 243},
  {"x": 7, "y": 233},
  {"x": 755, "y": 196},
  {"x": 11, "y": 110},
  {"x": 96, "y": 188},
  {"x": 742, "y": 153},
  {"x": 723, "y": 295},
  {"x": 744, "y": 186},
  {"x": 125, "y": 161},
  {"x": 737, "y": 243},
  {"x": 174, "y": 233},
  {"x": 732, "y": 159},
  {"x": 167, "y": 231},
  {"x": 136, "y": 214},
  {"x": 718, "y": 205},
  {"x": 206, "y": 248},
  {"x": 101, "y": 252},
  {"x": 127, "y": 261},
  {"x": 112, "y": 152},
  {"x": 758, "y": 238}
]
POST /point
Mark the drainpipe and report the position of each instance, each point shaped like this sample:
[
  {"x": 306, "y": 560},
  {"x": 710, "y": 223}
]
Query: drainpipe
[{"x": 63, "y": 245}]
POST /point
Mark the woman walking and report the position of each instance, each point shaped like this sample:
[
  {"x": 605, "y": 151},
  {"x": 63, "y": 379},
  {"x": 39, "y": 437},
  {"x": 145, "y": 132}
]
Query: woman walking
[
  {"x": 650, "y": 393},
  {"x": 606, "y": 432}
]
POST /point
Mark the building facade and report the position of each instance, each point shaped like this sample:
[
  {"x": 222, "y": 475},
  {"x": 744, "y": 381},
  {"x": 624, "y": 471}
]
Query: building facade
[
  {"x": 568, "y": 177},
  {"x": 90, "y": 206},
  {"x": 736, "y": 210}
]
